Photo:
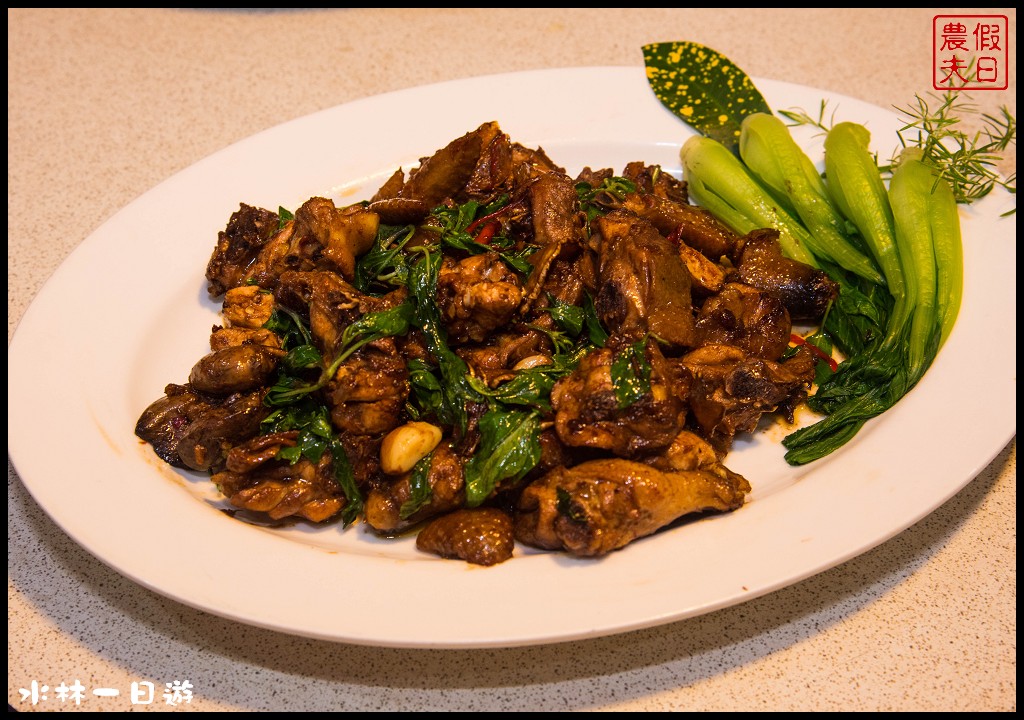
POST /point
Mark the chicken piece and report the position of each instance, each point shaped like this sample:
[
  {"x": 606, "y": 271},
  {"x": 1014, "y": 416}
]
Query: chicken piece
[
  {"x": 493, "y": 174},
  {"x": 498, "y": 360},
  {"x": 445, "y": 173},
  {"x": 653, "y": 180},
  {"x": 247, "y": 306},
  {"x": 476, "y": 295},
  {"x": 593, "y": 177},
  {"x": 330, "y": 303},
  {"x": 193, "y": 431},
  {"x": 235, "y": 368},
  {"x": 688, "y": 451},
  {"x": 262, "y": 449},
  {"x": 400, "y": 211},
  {"x": 587, "y": 411},
  {"x": 567, "y": 280},
  {"x": 223, "y": 337},
  {"x": 167, "y": 420},
  {"x": 391, "y": 187},
  {"x": 248, "y": 230},
  {"x": 279, "y": 255},
  {"x": 282, "y": 489},
  {"x": 342, "y": 234},
  {"x": 531, "y": 163},
  {"x": 320, "y": 237},
  {"x": 556, "y": 228},
  {"x": 743, "y": 317},
  {"x": 363, "y": 452},
  {"x": 204, "y": 444},
  {"x": 708, "y": 277},
  {"x": 731, "y": 390},
  {"x": 482, "y": 536},
  {"x": 644, "y": 286},
  {"x": 369, "y": 390},
  {"x": 553, "y": 453},
  {"x": 599, "y": 506},
  {"x": 447, "y": 482},
  {"x": 804, "y": 290},
  {"x": 693, "y": 225}
]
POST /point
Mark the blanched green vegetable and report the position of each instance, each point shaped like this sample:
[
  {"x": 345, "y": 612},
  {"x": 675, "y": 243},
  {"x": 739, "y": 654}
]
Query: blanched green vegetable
[
  {"x": 892, "y": 322},
  {"x": 910, "y": 192},
  {"x": 944, "y": 218},
  {"x": 926, "y": 232},
  {"x": 771, "y": 153},
  {"x": 856, "y": 185},
  {"x": 720, "y": 182}
]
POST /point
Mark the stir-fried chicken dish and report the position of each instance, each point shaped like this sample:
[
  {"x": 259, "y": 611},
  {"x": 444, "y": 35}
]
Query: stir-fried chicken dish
[{"x": 491, "y": 352}]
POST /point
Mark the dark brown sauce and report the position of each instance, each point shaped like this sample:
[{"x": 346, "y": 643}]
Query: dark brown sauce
[
  {"x": 257, "y": 520},
  {"x": 408, "y": 531}
]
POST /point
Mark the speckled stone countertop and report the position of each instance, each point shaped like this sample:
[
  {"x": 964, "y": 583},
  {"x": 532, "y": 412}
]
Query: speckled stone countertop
[{"x": 105, "y": 104}]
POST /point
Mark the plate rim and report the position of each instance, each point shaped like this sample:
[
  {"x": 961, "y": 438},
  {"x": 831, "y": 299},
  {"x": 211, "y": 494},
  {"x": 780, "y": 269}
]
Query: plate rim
[{"x": 709, "y": 532}]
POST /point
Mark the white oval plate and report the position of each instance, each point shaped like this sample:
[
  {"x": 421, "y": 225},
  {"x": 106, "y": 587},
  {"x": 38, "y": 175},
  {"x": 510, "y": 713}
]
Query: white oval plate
[{"x": 127, "y": 313}]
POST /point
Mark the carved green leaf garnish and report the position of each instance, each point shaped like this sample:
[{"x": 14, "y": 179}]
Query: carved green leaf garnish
[{"x": 704, "y": 88}]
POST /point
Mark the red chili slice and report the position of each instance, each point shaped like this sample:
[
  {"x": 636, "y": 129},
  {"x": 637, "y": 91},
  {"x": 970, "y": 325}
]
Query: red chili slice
[
  {"x": 816, "y": 351},
  {"x": 486, "y": 219},
  {"x": 492, "y": 216},
  {"x": 485, "y": 235}
]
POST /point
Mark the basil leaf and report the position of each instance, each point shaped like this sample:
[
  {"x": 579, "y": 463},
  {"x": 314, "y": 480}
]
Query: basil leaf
[
  {"x": 595, "y": 201},
  {"x": 384, "y": 263},
  {"x": 289, "y": 327},
  {"x": 532, "y": 387},
  {"x": 369, "y": 327},
  {"x": 312, "y": 421},
  {"x": 291, "y": 454},
  {"x": 569, "y": 317},
  {"x": 562, "y": 342},
  {"x": 419, "y": 486},
  {"x": 303, "y": 357},
  {"x": 519, "y": 260},
  {"x": 312, "y": 446},
  {"x": 529, "y": 387},
  {"x": 565, "y": 507},
  {"x": 859, "y": 315},
  {"x": 284, "y": 216},
  {"x": 376, "y": 325},
  {"x": 456, "y": 390},
  {"x": 314, "y": 427},
  {"x": 631, "y": 374},
  {"x": 595, "y": 331},
  {"x": 454, "y": 224},
  {"x": 509, "y": 448},
  {"x": 704, "y": 88},
  {"x": 316, "y": 436},
  {"x": 345, "y": 478},
  {"x": 425, "y": 390}
]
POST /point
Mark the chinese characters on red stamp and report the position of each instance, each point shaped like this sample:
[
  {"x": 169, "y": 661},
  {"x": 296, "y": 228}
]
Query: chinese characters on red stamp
[{"x": 970, "y": 52}]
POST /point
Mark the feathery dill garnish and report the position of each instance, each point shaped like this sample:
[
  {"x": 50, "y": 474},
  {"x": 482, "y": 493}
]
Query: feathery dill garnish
[
  {"x": 935, "y": 124},
  {"x": 799, "y": 116},
  {"x": 966, "y": 160}
]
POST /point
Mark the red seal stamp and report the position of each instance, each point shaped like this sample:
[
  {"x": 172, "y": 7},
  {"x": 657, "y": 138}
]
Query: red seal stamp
[{"x": 970, "y": 52}]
